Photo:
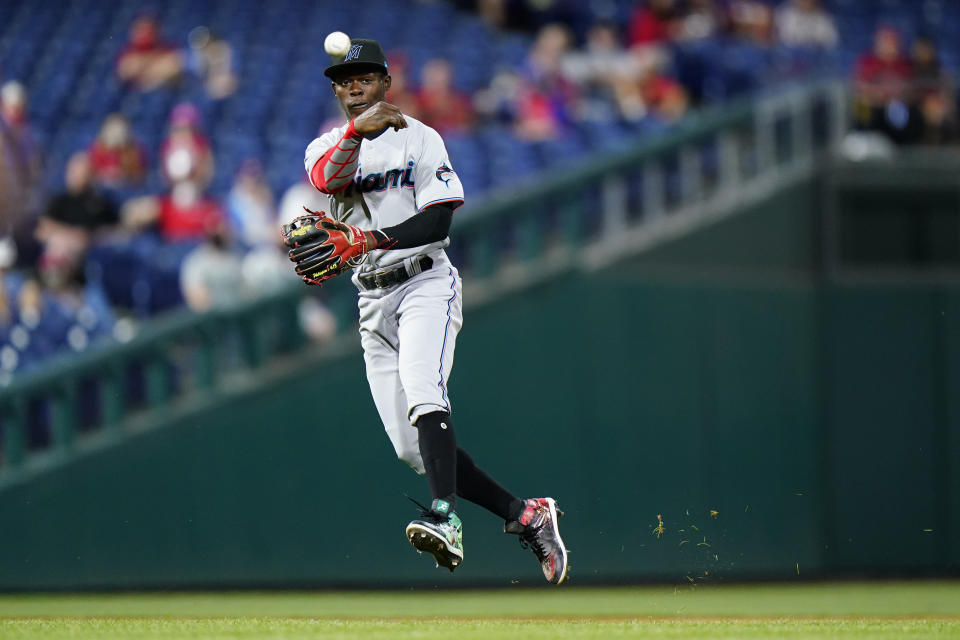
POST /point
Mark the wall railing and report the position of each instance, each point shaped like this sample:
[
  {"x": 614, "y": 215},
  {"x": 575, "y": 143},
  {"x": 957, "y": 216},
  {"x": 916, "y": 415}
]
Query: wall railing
[
  {"x": 711, "y": 164},
  {"x": 171, "y": 360}
]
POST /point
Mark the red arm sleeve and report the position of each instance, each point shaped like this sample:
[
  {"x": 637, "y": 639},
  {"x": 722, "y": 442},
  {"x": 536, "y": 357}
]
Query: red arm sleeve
[{"x": 334, "y": 170}]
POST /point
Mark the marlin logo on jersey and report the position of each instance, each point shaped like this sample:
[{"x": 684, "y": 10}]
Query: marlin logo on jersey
[
  {"x": 354, "y": 52},
  {"x": 444, "y": 170},
  {"x": 381, "y": 181}
]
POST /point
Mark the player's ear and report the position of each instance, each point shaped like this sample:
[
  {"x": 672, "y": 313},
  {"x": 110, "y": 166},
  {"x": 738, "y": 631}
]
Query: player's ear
[{"x": 387, "y": 81}]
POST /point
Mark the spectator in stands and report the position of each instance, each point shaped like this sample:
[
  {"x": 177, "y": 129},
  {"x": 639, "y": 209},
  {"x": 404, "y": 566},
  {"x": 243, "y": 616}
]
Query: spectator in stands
[
  {"x": 266, "y": 268},
  {"x": 118, "y": 161},
  {"x": 546, "y": 99},
  {"x": 666, "y": 98},
  {"x": 653, "y": 22},
  {"x": 9, "y": 358},
  {"x": 265, "y": 265},
  {"x": 39, "y": 329},
  {"x": 751, "y": 21},
  {"x": 927, "y": 73},
  {"x": 528, "y": 15},
  {"x": 8, "y": 253},
  {"x": 6, "y": 307},
  {"x": 61, "y": 311},
  {"x": 147, "y": 62},
  {"x": 538, "y": 116},
  {"x": 29, "y": 305},
  {"x": 250, "y": 207},
  {"x": 299, "y": 195},
  {"x": 601, "y": 53},
  {"x": 75, "y": 312},
  {"x": 209, "y": 274},
  {"x": 702, "y": 20},
  {"x": 493, "y": 12},
  {"x": 937, "y": 120},
  {"x": 933, "y": 110},
  {"x": 497, "y": 102},
  {"x": 804, "y": 23},
  {"x": 649, "y": 93},
  {"x": 401, "y": 92},
  {"x": 211, "y": 60},
  {"x": 882, "y": 80},
  {"x": 184, "y": 214},
  {"x": 439, "y": 103},
  {"x": 598, "y": 69},
  {"x": 73, "y": 218},
  {"x": 9, "y": 186},
  {"x": 186, "y": 155},
  {"x": 13, "y": 107},
  {"x": 21, "y": 172}
]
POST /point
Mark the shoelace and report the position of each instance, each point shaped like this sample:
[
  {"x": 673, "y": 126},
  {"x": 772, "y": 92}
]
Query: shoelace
[
  {"x": 428, "y": 513},
  {"x": 530, "y": 540}
]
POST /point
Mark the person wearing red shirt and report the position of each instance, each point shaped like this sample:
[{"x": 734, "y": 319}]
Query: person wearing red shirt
[
  {"x": 440, "y": 105},
  {"x": 147, "y": 62},
  {"x": 186, "y": 153},
  {"x": 116, "y": 158},
  {"x": 882, "y": 80},
  {"x": 653, "y": 23},
  {"x": 188, "y": 214},
  {"x": 184, "y": 214}
]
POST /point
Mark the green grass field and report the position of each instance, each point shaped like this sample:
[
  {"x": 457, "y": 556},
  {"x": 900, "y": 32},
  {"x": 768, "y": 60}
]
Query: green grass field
[{"x": 876, "y": 610}]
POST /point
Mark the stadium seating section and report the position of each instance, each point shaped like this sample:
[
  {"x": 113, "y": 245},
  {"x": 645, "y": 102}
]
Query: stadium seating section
[{"x": 65, "y": 52}]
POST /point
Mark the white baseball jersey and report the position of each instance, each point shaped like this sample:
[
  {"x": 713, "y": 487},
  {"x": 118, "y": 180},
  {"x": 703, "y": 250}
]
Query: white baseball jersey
[
  {"x": 400, "y": 173},
  {"x": 408, "y": 331}
]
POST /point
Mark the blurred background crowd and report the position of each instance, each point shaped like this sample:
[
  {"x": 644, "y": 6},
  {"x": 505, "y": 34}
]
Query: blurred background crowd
[{"x": 149, "y": 153}]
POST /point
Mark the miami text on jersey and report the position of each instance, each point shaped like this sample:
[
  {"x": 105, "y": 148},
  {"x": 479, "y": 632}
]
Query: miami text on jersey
[{"x": 381, "y": 181}]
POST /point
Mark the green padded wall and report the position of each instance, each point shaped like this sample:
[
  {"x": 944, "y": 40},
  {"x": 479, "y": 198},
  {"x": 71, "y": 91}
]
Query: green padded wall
[{"x": 777, "y": 424}]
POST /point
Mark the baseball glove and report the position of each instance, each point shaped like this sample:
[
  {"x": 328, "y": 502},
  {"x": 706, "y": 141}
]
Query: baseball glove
[{"x": 323, "y": 248}]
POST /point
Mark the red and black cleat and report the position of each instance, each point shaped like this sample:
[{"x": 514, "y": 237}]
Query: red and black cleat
[{"x": 537, "y": 528}]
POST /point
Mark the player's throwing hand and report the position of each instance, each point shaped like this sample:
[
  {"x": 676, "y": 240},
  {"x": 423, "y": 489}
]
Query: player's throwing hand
[{"x": 379, "y": 117}]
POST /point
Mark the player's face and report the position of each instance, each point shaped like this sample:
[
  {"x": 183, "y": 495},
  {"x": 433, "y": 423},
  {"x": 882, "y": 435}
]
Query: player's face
[{"x": 359, "y": 91}]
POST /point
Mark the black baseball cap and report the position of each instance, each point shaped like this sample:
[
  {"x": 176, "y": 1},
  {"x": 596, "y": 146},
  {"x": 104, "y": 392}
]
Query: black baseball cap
[{"x": 364, "y": 55}]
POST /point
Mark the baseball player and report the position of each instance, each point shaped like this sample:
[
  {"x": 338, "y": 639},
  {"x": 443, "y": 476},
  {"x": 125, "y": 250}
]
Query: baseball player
[{"x": 392, "y": 193}]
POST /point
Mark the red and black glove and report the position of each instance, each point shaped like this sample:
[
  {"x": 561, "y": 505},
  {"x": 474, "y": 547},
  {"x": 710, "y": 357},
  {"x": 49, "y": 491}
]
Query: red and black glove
[{"x": 323, "y": 248}]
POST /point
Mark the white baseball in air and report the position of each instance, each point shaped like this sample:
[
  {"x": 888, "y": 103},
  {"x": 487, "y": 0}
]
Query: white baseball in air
[{"x": 337, "y": 44}]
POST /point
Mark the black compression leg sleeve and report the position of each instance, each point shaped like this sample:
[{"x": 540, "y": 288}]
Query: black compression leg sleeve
[
  {"x": 475, "y": 485},
  {"x": 438, "y": 448}
]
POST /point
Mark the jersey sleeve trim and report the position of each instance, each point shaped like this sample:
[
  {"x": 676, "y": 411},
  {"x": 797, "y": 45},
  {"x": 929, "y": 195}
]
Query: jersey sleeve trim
[{"x": 441, "y": 201}]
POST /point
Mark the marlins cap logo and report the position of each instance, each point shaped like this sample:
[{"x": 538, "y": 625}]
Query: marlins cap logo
[{"x": 354, "y": 52}]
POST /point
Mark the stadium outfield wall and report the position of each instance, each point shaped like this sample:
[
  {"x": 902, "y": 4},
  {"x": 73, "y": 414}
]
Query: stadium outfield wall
[{"x": 778, "y": 423}]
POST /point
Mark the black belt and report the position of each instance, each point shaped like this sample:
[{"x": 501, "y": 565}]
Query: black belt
[{"x": 393, "y": 276}]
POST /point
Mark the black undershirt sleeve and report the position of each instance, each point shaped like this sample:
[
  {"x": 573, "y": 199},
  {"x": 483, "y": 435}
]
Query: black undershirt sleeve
[{"x": 430, "y": 225}]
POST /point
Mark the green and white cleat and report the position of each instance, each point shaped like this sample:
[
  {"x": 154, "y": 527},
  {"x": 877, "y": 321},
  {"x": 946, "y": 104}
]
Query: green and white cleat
[{"x": 438, "y": 531}]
